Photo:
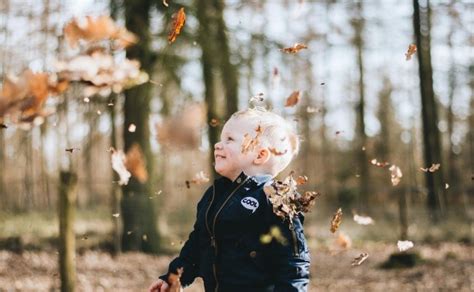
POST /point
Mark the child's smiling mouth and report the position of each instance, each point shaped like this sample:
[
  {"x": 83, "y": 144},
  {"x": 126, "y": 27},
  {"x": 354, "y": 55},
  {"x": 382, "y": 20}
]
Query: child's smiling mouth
[{"x": 219, "y": 156}]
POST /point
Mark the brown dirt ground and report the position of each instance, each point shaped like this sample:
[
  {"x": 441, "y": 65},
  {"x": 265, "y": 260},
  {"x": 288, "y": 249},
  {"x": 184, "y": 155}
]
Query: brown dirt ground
[{"x": 449, "y": 267}]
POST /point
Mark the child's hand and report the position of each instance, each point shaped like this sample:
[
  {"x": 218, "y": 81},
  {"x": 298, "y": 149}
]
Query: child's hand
[{"x": 159, "y": 286}]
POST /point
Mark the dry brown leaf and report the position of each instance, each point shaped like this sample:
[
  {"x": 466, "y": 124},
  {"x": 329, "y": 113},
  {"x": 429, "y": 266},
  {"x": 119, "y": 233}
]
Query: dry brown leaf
[
  {"x": 301, "y": 180},
  {"x": 395, "y": 174},
  {"x": 410, "y": 52},
  {"x": 379, "y": 164},
  {"x": 118, "y": 164},
  {"x": 250, "y": 143},
  {"x": 175, "y": 281},
  {"x": 434, "y": 167},
  {"x": 72, "y": 149},
  {"x": 94, "y": 29},
  {"x": 178, "y": 22},
  {"x": 293, "y": 99},
  {"x": 360, "y": 259},
  {"x": 343, "y": 241},
  {"x": 135, "y": 163},
  {"x": 336, "y": 220},
  {"x": 294, "y": 49},
  {"x": 274, "y": 151}
]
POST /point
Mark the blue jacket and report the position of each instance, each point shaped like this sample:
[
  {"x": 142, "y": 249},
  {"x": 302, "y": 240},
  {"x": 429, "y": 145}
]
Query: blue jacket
[{"x": 225, "y": 247}]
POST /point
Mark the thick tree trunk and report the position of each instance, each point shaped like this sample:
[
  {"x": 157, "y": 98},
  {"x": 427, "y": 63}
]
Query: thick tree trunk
[
  {"x": 358, "y": 25},
  {"x": 206, "y": 42},
  {"x": 67, "y": 241},
  {"x": 139, "y": 218},
  {"x": 431, "y": 137},
  {"x": 230, "y": 76}
]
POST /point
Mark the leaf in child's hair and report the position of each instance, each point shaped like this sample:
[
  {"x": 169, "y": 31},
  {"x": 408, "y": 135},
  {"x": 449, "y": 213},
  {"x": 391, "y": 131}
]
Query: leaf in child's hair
[
  {"x": 257, "y": 98},
  {"x": 287, "y": 202},
  {"x": 118, "y": 164},
  {"x": 301, "y": 180},
  {"x": 293, "y": 99},
  {"x": 136, "y": 164},
  {"x": 343, "y": 241},
  {"x": 178, "y": 22},
  {"x": 404, "y": 245},
  {"x": 274, "y": 151},
  {"x": 336, "y": 220},
  {"x": 250, "y": 143},
  {"x": 71, "y": 149},
  {"x": 360, "y": 259},
  {"x": 410, "y": 52},
  {"x": 174, "y": 279},
  {"x": 294, "y": 49},
  {"x": 395, "y": 174},
  {"x": 434, "y": 167},
  {"x": 363, "y": 220}
]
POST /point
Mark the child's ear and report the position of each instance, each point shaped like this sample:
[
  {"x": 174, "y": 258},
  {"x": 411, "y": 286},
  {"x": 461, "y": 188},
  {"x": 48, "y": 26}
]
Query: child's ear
[{"x": 262, "y": 157}]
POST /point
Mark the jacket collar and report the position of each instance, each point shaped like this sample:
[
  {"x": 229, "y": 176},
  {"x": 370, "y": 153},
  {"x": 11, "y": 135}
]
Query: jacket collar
[{"x": 258, "y": 179}]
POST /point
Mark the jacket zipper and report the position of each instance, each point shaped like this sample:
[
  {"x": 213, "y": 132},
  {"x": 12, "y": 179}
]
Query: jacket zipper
[
  {"x": 295, "y": 241},
  {"x": 211, "y": 233}
]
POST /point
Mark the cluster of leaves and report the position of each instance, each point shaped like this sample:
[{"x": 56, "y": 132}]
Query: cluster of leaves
[
  {"x": 22, "y": 98},
  {"x": 395, "y": 171},
  {"x": 287, "y": 202},
  {"x": 249, "y": 143}
]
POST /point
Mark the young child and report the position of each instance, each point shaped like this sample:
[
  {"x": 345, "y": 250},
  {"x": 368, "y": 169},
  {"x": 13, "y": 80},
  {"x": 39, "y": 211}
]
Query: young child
[{"x": 226, "y": 247}]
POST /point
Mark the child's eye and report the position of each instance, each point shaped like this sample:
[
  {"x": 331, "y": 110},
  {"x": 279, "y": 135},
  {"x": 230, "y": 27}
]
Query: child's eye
[{"x": 230, "y": 139}]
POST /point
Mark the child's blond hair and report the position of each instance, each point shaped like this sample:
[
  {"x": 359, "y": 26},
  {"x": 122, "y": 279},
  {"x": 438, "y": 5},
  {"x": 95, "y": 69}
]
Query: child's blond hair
[{"x": 277, "y": 134}]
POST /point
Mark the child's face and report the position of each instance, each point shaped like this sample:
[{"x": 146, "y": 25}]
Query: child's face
[{"x": 229, "y": 159}]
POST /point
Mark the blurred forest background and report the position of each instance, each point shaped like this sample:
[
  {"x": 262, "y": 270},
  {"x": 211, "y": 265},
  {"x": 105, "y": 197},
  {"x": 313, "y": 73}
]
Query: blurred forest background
[{"x": 364, "y": 105}]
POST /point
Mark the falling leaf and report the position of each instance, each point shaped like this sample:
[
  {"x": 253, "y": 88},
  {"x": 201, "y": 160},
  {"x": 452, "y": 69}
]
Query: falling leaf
[
  {"x": 94, "y": 29},
  {"x": 287, "y": 202},
  {"x": 144, "y": 237},
  {"x": 363, "y": 220},
  {"x": 132, "y": 128},
  {"x": 301, "y": 180},
  {"x": 165, "y": 3},
  {"x": 410, "y": 52},
  {"x": 339, "y": 132},
  {"x": 295, "y": 49},
  {"x": 293, "y": 99},
  {"x": 71, "y": 149},
  {"x": 404, "y": 245},
  {"x": 199, "y": 178},
  {"x": 377, "y": 163},
  {"x": 214, "y": 123},
  {"x": 174, "y": 280},
  {"x": 360, "y": 259},
  {"x": 343, "y": 241},
  {"x": 116, "y": 215},
  {"x": 446, "y": 186},
  {"x": 322, "y": 83},
  {"x": 336, "y": 220},
  {"x": 118, "y": 164},
  {"x": 84, "y": 237},
  {"x": 178, "y": 22},
  {"x": 395, "y": 174},
  {"x": 3, "y": 126},
  {"x": 188, "y": 184},
  {"x": 311, "y": 110},
  {"x": 135, "y": 163},
  {"x": 434, "y": 167},
  {"x": 274, "y": 233}
]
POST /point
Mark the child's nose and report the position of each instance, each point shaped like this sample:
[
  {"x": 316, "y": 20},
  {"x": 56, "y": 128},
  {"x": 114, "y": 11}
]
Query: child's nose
[{"x": 217, "y": 146}]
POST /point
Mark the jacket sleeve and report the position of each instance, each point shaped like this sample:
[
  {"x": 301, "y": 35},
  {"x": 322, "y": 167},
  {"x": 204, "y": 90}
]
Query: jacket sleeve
[
  {"x": 188, "y": 258},
  {"x": 289, "y": 253}
]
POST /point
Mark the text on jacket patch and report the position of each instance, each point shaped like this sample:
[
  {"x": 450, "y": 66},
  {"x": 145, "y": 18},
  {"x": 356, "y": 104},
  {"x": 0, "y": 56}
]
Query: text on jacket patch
[{"x": 250, "y": 203}]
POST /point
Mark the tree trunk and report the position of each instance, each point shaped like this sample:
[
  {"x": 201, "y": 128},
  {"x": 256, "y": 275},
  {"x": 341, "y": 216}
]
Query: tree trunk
[
  {"x": 67, "y": 241},
  {"x": 230, "y": 76},
  {"x": 431, "y": 137},
  {"x": 206, "y": 42},
  {"x": 139, "y": 218},
  {"x": 358, "y": 25}
]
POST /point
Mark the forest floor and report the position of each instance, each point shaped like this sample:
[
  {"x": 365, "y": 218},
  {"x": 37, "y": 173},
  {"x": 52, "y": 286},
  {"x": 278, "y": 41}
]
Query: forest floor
[{"x": 446, "y": 267}]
